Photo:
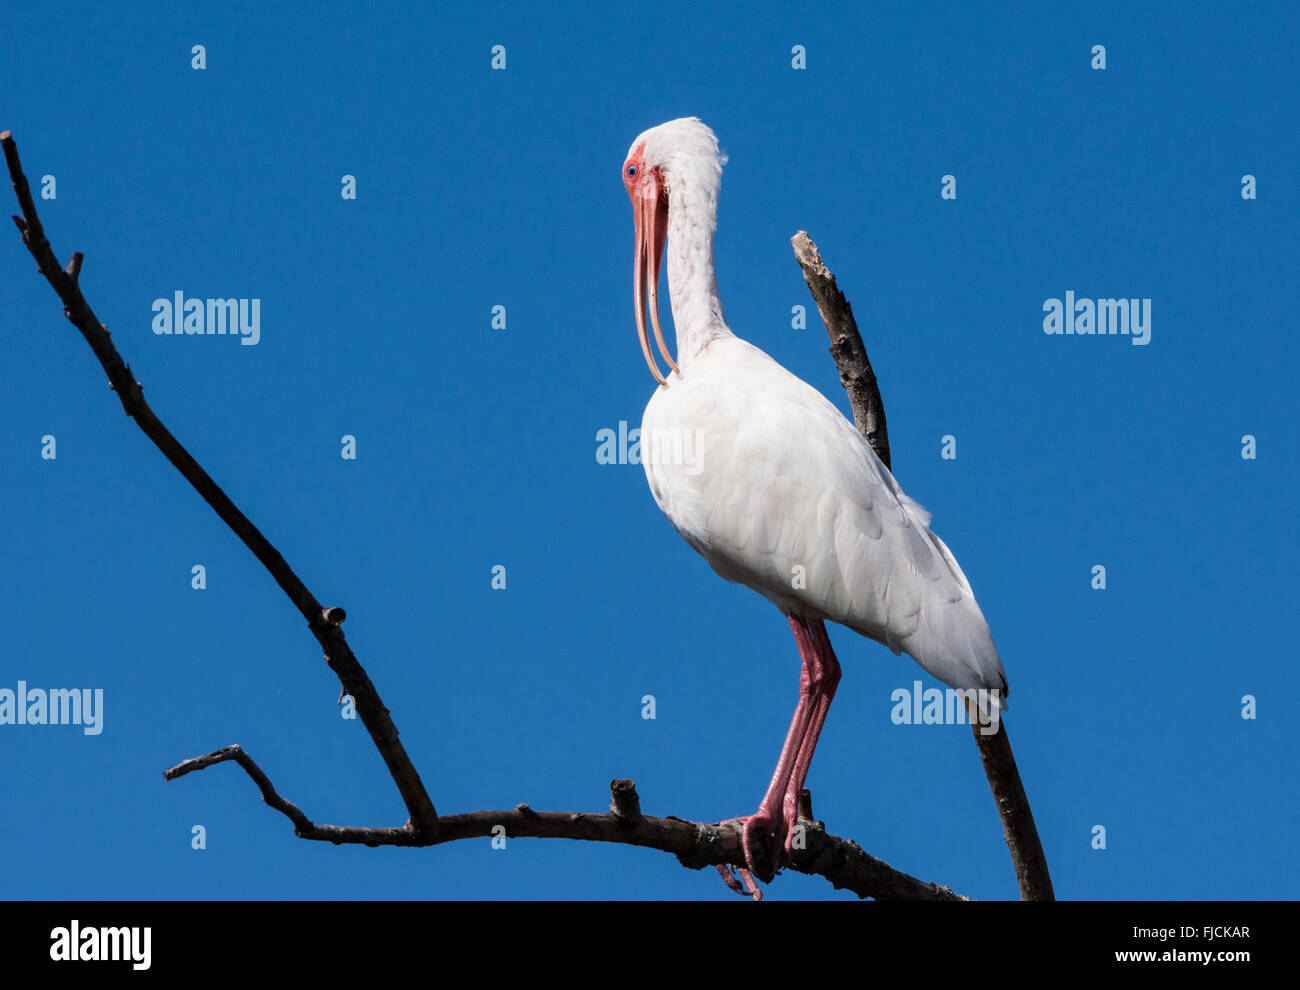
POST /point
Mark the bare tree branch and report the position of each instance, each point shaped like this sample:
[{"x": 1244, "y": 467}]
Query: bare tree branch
[
  {"x": 338, "y": 654},
  {"x": 847, "y": 349},
  {"x": 1017, "y": 819},
  {"x": 859, "y": 381},
  {"x": 696, "y": 844}
]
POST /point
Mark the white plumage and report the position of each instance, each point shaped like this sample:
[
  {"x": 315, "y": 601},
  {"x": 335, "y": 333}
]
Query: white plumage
[{"x": 786, "y": 487}]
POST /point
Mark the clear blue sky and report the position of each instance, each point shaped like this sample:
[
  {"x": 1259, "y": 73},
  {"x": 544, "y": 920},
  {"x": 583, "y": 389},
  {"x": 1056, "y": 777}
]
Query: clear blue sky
[{"x": 476, "y": 447}]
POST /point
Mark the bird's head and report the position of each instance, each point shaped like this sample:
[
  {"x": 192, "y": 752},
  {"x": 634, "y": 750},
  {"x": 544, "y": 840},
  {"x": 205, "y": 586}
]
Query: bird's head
[{"x": 677, "y": 156}]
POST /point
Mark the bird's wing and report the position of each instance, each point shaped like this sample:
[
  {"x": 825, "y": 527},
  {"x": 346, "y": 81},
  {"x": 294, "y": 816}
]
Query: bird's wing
[{"x": 788, "y": 498}]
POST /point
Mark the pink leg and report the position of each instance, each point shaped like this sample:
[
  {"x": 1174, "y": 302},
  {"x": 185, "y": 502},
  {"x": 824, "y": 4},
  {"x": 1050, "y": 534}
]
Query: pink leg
[
  {"x": 824, "y": 694},
  {"x": 778, "y": 810}
]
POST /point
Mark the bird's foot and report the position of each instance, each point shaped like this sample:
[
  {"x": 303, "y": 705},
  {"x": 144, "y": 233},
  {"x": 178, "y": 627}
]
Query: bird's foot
[{"x": 766, "y": 842}]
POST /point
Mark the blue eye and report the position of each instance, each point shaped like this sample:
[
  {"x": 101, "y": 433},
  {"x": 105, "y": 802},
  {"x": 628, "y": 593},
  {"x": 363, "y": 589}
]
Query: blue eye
[{"x": 631, "y": 171}]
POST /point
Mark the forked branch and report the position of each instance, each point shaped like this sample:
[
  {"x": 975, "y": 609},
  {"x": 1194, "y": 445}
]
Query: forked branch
[{"x": 695, "y": 844}]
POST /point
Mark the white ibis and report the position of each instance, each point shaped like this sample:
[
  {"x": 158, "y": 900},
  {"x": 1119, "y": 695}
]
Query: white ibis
[{"x": 781, "y": 493}]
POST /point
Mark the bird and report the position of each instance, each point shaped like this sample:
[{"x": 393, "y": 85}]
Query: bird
[{"x": 768, "y": 481}]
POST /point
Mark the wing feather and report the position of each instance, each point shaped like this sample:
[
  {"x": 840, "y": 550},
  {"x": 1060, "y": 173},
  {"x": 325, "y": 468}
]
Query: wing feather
[{"x": 785, "y": 485}]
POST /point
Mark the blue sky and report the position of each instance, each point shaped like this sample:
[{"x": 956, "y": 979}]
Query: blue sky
[{"x": 476, "y": 447}]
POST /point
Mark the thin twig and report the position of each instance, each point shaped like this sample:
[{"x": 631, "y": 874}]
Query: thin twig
[{"x": 859, "y": 381}]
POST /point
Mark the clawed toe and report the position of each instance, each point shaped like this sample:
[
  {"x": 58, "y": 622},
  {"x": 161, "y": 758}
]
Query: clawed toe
[{"x": 745, "y": 885}]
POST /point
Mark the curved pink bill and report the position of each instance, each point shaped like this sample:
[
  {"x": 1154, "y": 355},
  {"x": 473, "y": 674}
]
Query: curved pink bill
[{"x": 650, "y": 214}]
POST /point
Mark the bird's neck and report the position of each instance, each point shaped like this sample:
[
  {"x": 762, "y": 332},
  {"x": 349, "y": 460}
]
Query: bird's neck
[{"x": 692, "y": 285}]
